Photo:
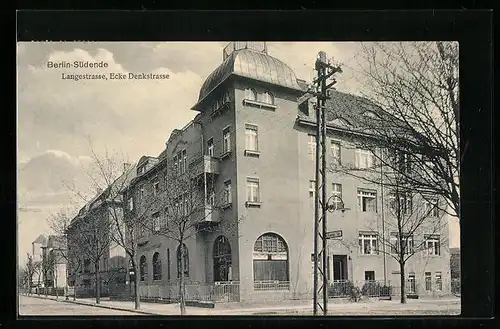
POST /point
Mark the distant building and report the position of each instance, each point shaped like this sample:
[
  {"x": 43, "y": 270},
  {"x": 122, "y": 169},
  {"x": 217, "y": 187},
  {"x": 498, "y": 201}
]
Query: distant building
[
  {"x": 55, "y": 254},
  {"x": 255, "y": 141},
  {"x": 113, "y": 262}
]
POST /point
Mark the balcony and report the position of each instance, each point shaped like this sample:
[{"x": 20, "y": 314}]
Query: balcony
[
  {"x": 208, "y": 215},
  {"x": 205, "y": 164}
]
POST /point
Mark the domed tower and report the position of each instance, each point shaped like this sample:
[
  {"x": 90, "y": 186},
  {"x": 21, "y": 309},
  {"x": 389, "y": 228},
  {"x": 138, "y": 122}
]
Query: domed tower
[{"x": 248, "y": 108}]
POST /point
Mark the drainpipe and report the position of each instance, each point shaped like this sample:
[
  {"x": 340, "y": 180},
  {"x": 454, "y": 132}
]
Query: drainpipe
[{"x": 383, "y": 216}]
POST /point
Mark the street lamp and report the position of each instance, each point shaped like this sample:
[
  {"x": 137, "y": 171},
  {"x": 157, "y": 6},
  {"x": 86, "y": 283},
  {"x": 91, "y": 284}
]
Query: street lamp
[{"x": 332, "y": 206}]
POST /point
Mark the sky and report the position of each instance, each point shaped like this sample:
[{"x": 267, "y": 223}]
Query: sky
[{"x": 56, "y": 117}]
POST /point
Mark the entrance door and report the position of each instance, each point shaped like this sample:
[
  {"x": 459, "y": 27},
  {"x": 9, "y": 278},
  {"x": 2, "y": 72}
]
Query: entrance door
[{"x": 339, "y": 267}]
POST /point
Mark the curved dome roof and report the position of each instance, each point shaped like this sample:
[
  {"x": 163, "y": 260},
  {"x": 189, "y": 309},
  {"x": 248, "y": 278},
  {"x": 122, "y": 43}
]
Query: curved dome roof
[{"x": 251, "y": 64}]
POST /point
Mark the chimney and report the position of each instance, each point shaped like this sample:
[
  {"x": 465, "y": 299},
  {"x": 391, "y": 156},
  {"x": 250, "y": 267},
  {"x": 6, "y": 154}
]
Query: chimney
[
  {"x": 99, "y": 190},
  {"x": 126, "y": 167}
]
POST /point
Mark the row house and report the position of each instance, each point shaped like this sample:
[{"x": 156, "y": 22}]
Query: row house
[{"x": 92, "y": 246}]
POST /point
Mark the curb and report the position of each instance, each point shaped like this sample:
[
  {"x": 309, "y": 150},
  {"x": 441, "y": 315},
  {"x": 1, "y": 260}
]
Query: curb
[
  {"x": 109, "y": 307},
  {"x": 95, "y": 305}
]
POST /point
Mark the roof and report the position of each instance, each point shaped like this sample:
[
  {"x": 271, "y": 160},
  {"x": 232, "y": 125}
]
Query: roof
[
  {"x": 56, "y": 241},
  {"x": 251, "y": 64},
  {"x": 355, "y": 113},
  {"x": 41, "y": 239}
]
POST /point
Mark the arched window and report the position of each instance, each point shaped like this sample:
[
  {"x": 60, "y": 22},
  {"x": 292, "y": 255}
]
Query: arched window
[
  {"x": 222, "y": 259},
  {"x": 250, "y": 94},
  {"x": 270, "y": 262},
  {"x": 143, "y": 268},
  {"x": 182, "y": 260},
  {"x": 156, "y": 266},
  {"x": 268, "y": 98}
]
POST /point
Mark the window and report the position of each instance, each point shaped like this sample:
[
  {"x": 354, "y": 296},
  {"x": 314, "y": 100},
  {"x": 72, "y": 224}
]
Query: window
[
  {"x": 176, "y": 164},
  {"x": 412, "y": 285},
  {"x": 131, "y": 204},
  {"x": 141, "y": 193},
  {"x": 406, "y": 241},
  {"x": 432, "y": 244},
  {"x": 403, "y": 163},
  {"x": 335, "y": 147},
  {"x": 364, "y": 159},
  {"x": 430, "y": 169},
  {"x": 312, "y": 147},
  {"x": 222, "y": 259},
  {"x": 210, "y": 147},
  {"x": 226, "y": 140},
  {"x": 369, "y": 275},
  {"x": 251, "y": 138},
  {"x": 337, "y": 193},
  {"x": 156, "y": 221},
  {"x": 181, "y": 159},
  {"x": 211, "y": 198},
  {"x": 428, "y": 281},
  {"x": 164, "y": 218},
  {"x": 250, "y": 94},
  {"x": 431, "y": 207},
  {"x": 367, "y": 201},
  {"x": 168, "y": 264},
  {"x": 253, "y": 194},
  {"x": 156, "y": 188},
  {"x": 143, "y": 268},
  {"x": 270, "y": 263},
  {"x": 156, "y": 266},
  {"x": 405, "y": 203},
  {"x": 368, "y": 244},
  {"x": 267, "y": 98},
  {"x": 439, "y": 281},
  {"x": 182, "y": 261}
]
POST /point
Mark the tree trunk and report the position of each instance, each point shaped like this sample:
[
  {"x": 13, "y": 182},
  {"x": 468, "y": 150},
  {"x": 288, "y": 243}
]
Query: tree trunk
[
  {"x": 97, "y": 284},
  {"x": 55, "y": 280},
  {"x": 402, "y": 278},
  {"x": 137, "y": 295},
  {"x": 182, "y": 301}
]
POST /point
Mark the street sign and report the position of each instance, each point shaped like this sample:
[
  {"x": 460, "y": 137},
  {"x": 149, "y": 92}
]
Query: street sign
[{"x": 334, "y": 234}]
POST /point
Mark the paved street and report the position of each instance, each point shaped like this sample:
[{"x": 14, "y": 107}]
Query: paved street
[
  {"x": 445, "y": 306},
  {"x": 40, "y": 307}
]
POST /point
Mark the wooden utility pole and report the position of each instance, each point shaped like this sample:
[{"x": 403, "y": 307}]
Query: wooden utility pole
[{"x": 325, "y": 71}]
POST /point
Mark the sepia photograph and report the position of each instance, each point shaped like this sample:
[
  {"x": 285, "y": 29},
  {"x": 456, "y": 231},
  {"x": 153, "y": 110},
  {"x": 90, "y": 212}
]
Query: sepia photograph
[{"x": 238, "y": 178}]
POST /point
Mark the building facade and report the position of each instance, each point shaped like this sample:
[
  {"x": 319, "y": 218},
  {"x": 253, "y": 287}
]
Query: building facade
[
  {"x": 255, "y": 143},
  {"x": 92, "y": 246}
]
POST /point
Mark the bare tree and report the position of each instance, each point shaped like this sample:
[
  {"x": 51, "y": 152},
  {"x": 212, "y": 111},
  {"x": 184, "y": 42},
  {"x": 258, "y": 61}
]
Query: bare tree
[
  {"x": 59, "y": 223},
  {"x": 31, "y": 269},
  {"x": 410, "y": 220},
  {"x": 416, "y": 83}
]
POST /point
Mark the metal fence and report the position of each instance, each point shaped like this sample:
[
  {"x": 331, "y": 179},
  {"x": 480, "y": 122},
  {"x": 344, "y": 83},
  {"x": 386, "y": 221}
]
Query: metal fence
[{"x": 271, "y": 285}]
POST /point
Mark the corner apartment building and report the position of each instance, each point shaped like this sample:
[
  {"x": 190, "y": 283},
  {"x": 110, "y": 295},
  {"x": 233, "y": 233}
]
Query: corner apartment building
[
  {"x": 93, "y": 223},
  {"x": 256, "y": 143}
]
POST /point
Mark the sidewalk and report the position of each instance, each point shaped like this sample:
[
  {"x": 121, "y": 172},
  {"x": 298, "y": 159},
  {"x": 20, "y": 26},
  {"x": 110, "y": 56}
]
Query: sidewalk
[{"x": 448, "y": 305}]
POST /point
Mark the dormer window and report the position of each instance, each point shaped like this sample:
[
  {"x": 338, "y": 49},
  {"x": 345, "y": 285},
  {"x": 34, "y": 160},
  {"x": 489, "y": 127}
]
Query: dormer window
[
  {"x": 251, "y": 94},
  {"x": 267, "y": 98}
]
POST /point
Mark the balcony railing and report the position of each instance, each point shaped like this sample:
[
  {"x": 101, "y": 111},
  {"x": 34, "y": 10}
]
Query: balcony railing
[
  {"x": 208, "y": 214},
  {"x": 205, "y": 164}
]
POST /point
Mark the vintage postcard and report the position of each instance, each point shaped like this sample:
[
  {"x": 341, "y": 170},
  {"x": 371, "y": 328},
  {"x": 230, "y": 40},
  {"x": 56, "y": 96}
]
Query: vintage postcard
[{"x": 238, "y": 178}]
